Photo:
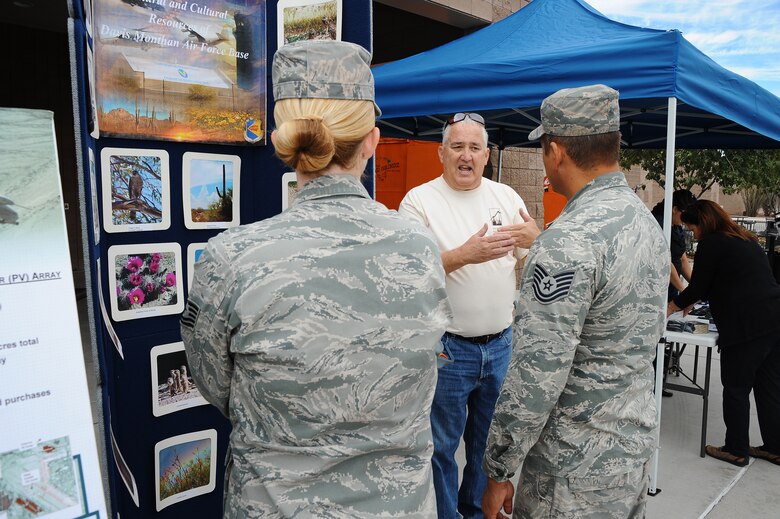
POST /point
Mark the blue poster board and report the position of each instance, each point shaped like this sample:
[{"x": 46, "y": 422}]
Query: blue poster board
[{"x": 139, "y": 431}]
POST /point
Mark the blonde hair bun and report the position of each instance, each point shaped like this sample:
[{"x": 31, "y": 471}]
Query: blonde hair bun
[{"x": 305, "y": 144}]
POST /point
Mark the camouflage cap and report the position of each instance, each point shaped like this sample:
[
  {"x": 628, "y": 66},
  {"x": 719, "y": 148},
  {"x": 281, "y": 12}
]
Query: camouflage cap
[
  {"x": 323, "y": 69},
  {"x": 587, "y": 110}
]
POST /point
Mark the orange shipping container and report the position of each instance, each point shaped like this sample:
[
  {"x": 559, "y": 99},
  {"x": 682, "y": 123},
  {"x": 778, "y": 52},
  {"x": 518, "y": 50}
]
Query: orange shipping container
[{"x": 402, "y": 164}]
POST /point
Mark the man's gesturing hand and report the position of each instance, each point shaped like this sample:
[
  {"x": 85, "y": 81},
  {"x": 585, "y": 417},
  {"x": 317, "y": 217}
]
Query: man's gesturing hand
[
  {"x": 478, "y": 249},
  {"x": 524, "y": 233}
]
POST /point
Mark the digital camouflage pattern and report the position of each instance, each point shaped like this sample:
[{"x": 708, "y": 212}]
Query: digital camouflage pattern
[
  {"x": 613, "y": 497},
  {"x": 577, "y": 401},
  {"x": 587, "y": 110},
  {"x": 323, "y": 69},
  {"x": 315, "y": 332}
]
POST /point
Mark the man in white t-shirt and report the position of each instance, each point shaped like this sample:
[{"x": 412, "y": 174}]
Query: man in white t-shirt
[{"x": 482, "y": 228}]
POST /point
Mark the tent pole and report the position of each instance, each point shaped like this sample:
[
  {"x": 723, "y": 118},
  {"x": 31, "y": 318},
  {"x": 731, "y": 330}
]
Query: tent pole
[{"x": 671, "y": 132}]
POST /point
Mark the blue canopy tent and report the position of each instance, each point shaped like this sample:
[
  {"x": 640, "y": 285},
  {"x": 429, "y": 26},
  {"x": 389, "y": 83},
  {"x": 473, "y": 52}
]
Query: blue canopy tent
[{"x": 505, "y": 70}]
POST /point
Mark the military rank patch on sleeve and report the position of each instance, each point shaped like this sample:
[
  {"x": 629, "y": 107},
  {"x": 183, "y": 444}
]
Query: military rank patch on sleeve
[
  {"x": 550, "y": 288},
  {"x": 190, "y": 315}
]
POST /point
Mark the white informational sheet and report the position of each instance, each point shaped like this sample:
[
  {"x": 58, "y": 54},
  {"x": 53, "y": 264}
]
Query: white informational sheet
[
  {"x": 93, "y": 190},
  {"x": 48, "y": 455},
  {"x": 104, "y": 313},
  {"x": 124, "y": 471}
]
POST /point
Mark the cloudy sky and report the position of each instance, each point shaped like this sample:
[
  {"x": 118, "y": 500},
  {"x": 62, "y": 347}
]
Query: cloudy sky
[
  {"x": 205, "y": 177},
  {"x": 740, "y": 35}
]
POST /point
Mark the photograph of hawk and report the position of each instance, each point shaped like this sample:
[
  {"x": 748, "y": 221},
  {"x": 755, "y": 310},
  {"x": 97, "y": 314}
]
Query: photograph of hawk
[{"x": 135, "y": 186}]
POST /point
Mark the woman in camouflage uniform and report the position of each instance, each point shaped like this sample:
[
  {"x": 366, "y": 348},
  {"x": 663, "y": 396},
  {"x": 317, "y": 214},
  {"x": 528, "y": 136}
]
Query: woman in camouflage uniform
[{"x": 315, "y": 331}]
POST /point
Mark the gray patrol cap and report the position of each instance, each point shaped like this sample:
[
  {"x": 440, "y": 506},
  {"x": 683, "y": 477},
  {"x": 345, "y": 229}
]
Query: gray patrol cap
[
  {"x": 571, "y": 112},
  {"x": 323, "y": 69}
]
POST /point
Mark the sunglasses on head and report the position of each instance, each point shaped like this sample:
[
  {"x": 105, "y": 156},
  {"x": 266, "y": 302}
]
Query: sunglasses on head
[{"x": 461, "y": 116}]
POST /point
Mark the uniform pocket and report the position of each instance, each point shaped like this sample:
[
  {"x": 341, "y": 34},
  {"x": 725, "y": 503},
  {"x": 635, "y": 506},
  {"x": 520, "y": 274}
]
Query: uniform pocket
[{"x": 592, "y": 484}]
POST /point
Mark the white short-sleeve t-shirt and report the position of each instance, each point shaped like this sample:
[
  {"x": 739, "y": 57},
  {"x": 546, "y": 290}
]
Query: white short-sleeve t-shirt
[{"x": 481, "y": 295}]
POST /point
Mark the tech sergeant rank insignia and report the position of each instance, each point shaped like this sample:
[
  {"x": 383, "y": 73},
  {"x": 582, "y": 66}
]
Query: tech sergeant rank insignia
[{"x": 549, "y": 288}]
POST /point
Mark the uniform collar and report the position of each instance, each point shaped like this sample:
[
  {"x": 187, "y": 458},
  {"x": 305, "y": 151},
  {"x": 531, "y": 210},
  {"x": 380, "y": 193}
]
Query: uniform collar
[
  {"x": 331, "y": 185},
  {"x": 600, "y": 183}
]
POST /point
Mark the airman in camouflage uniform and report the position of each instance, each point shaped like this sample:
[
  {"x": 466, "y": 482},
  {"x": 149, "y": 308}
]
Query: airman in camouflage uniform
[
  {"x": 310, "y": 69},
  {"x": 315, "y": 332},
  {"x": 577, "y": 406}
]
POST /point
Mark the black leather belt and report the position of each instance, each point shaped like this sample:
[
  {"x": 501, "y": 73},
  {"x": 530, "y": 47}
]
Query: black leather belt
[{"x": 480, "y": 339}]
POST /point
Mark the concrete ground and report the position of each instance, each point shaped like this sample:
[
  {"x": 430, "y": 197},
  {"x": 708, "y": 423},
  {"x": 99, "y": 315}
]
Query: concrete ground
[
  {"x": 691, "y": 487},
  {"x": 696, "y": 488}
]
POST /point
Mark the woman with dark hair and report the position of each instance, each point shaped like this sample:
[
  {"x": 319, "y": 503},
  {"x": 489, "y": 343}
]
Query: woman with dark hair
[
  {"x": 731, "y": 271},
  {"x": 681, "y": 267}
]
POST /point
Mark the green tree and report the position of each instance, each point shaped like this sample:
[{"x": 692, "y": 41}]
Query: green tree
[{"x": 753, "y": 173}]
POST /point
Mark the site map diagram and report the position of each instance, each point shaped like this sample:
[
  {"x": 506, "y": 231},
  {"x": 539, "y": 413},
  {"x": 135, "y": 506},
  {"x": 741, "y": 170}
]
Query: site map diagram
[{"x": 37, "y": 481}]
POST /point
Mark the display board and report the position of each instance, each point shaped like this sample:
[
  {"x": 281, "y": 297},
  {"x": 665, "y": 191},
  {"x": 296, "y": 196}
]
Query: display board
[
  {"x": 48, "y": 455},
  {"x": 145, "y": 231}
]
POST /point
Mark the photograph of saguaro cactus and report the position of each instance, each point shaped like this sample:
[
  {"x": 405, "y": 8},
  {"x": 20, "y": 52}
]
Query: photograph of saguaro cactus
[{"x": 210, "y": 187}]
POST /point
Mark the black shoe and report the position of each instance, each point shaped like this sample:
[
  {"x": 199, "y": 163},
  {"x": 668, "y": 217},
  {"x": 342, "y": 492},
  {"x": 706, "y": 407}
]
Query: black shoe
[{"x": 666, "y": 393}]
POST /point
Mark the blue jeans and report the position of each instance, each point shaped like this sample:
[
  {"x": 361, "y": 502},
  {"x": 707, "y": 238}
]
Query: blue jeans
[{"x": 466, "y": 394}]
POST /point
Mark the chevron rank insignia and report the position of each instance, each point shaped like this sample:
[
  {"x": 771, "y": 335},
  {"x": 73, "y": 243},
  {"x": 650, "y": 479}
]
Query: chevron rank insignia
[
  {"x": 550, "y": 288},
  {"x": 190, "y": 315}
]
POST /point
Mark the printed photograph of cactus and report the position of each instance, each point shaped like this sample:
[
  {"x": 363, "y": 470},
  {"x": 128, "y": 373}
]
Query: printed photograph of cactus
[
  {"x": 184, "y": 467},
  {"x": 210, "y": 190},
  {"x": 147, "y": 280}
]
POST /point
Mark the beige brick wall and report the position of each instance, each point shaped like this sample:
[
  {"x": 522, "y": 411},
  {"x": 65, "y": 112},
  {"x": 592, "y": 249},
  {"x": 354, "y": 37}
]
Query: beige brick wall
[
  {"x": 503, "y": 8},
  {"x": 522, "y": 169},
  {"x": 488, "y": 10}
]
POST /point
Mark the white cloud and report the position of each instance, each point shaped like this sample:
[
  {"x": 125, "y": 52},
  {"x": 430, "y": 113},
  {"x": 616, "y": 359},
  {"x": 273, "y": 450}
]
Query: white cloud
[
  {"x": 739, "y": 34},
  {"x": 713, "y": 38},
  {"x": 203, "y": 198}
]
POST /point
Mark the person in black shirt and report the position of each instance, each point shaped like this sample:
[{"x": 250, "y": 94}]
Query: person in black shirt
[
  {"x": 731, "y": 271},
  {"x": 681, "y": 199}
]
